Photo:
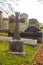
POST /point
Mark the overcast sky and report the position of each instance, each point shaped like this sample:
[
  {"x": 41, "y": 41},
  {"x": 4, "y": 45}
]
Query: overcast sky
[{"x": 33, "y": 8}]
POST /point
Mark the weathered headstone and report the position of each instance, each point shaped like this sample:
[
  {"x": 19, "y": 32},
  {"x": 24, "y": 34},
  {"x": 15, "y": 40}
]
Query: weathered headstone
[
  {"x": 11, "y": 24},
  {"x": 15, "y": 46},
  {"x": 24, "y": 25},
  {"x": 5, "y": 24},
  {"x": 1, "y": 18},
  {"x": 33, "y": 22},
  {"x": 25, "y": 16}
]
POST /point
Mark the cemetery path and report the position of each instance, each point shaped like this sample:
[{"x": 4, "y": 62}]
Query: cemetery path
[{"x": 38, "y": 59}]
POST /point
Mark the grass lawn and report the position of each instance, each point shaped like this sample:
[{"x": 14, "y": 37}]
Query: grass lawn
[
  {"x": 11, "y": 59},
  {"x": 42, "y": 30},
  {"x": 3, "y": 34}
]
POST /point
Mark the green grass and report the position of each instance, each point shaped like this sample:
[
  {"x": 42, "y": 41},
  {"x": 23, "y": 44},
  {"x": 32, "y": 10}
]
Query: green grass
[
  {"x": 3, "y": 34},
  {"x": 42, "y": 30},
  {"x": 11, "y": 59}
]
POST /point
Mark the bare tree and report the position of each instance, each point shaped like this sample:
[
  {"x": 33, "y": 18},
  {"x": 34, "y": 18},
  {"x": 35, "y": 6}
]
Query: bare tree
[{"x": 8, "y": 6}]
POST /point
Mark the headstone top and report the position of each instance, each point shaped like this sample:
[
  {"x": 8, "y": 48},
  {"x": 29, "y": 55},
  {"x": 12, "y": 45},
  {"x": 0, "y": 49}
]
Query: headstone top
[
  {"x": 25, "y": 16},
  {"x": 33, "y": 22},
  {"x": 5, "y": 19},
  {"x": 11, "y": 18}
]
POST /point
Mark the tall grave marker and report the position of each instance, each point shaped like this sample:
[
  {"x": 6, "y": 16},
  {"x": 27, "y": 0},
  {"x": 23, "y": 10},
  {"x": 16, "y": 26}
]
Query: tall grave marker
[{"x": 17, "y": 45}]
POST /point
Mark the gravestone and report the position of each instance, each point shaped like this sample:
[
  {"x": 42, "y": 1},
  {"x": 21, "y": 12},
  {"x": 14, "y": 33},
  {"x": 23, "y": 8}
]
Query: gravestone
[
  {"x": 24, "y": 25},
  {"x": 1, "y": 19},
  {"x": 33, "y": 22},
  {"x": 15, "y": 46},
  {"x": 5, "y": 24},
  {"x": 25, "y": 16},
  {"x": 11, "y": 24}
]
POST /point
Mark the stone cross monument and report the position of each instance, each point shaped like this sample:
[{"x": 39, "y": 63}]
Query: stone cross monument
[{"x": 16, "y": 46}]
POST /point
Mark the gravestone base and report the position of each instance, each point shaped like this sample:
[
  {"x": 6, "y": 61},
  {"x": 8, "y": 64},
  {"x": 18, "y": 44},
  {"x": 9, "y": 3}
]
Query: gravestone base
[
  {"x": 18, "y": 53},
  {"x": 16, "y": 47}
]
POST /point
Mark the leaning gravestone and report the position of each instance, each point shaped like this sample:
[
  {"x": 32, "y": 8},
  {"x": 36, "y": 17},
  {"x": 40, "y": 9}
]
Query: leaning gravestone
[{"x": 17, "y": 45}]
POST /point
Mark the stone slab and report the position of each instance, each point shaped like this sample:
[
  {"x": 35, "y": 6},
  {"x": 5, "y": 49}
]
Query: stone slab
[
  {"x": 18, "y": 53},
  {"x": 25, "y": 41}
]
